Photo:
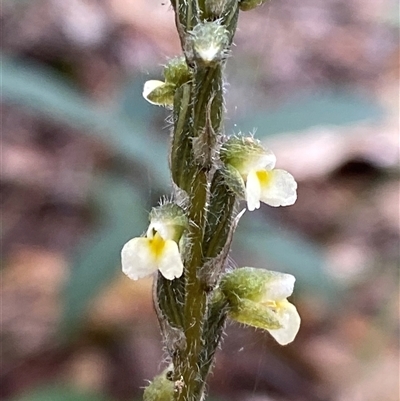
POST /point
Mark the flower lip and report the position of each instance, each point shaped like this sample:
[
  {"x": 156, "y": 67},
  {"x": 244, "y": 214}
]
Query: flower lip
[
  {"x": 137, "y": 259},
  {"x": 141, "y": 257},
  {"x": 279, "y": 189},
  {"x": 159, "y": 249},
  {"x": 170, "y": 265},
  {"x": 290, "y": 321}
]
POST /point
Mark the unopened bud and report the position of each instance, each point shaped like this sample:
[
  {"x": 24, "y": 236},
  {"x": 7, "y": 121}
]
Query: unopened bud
[{"x": 210, "y": 42}]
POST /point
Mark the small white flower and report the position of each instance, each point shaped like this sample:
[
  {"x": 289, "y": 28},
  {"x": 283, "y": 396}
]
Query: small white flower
[
  {"x": 157, "y": 251},
  {"x": 261, "y": 181},
  {"x": 150, "y": 86},
  {"x": 274, "y": 187},
  {"x": 258, "y": 298}
]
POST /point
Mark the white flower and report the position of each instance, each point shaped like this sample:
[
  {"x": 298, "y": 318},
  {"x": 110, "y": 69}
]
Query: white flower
[
  {"x": 258, "y": 298},
  {"x": 277, "y": 289},
  {"x": 260, "y": 180},
  {"x": 157, "y": 251},
  {"x": 149, "y": 87},
  {"x": 274, "y": 187}
]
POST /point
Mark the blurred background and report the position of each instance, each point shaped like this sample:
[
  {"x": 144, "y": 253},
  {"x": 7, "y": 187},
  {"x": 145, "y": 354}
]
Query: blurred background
[{"x": 84, "y": 158}]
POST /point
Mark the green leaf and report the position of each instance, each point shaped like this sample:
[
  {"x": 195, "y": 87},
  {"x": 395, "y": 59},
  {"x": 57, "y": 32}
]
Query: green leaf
[
  {"x": 306, "y": 111},
  {"x": 60, "y": 393},
  {"x": 38, "y": 88},
  {"x": 275, "y": 248},
  {"x": 123, "y": 216}
]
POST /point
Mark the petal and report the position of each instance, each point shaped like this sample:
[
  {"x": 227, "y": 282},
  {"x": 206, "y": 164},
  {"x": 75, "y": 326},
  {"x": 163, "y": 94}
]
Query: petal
[
  {"x": 279, "y": 189},
  {"x": 258, "y": 161},
  {"x": 278, "y": 286},
  {"x": 170, "y": 262},
  {"x": 289, "y": 319},
  {"x": 253, "y": 191},
  {"x": 166, "y": 231},
  {"x": 137, "y": 258},
  {"x": 149, "y": 87}
]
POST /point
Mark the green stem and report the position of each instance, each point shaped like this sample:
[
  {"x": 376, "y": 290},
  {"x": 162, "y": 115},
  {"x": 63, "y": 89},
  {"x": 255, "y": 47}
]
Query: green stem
[
  {"x": 198, "y": 114},
  {"x": 195, "y": 303},
  {"x": 205, "y": 84}
]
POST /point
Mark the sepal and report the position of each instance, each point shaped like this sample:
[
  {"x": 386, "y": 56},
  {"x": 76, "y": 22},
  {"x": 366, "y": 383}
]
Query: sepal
[
  {"x": 234, "y": 181},
  {"x": 170, "y": 220},
  {"x": 246, "y": 154}
]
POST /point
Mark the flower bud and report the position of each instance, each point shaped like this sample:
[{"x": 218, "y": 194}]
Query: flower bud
[
  {"x": 160, "y": 389},
  {"x": 210, "y": 42},
  {"x": 176, "y": 73},
  {"x": 257, "y": 298},
  {"x": 159, "y": 93}
]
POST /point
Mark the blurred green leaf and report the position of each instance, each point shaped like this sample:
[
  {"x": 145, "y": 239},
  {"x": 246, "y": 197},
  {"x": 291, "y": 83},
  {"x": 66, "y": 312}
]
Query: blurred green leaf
[
  {"x": 123, "y": 216},
  {"x": 38, "y": 88},
  {"x": 286, "y": 251},
  {"x": 60, "y": 393},
  {"x": 306, "y": 111}
]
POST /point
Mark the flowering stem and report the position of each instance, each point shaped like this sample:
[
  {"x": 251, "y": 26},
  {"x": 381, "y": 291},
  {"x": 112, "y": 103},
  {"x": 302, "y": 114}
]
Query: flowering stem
[
  {"x": 195, "y": 302},
  {"x": 189, "y": 237},
  {"x": 198, "y": 117},
  {"x": 203, "y": 87}
]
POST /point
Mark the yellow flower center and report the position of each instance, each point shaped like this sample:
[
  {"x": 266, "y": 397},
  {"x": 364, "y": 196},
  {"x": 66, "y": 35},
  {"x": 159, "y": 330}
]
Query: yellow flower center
[
  {"x": 264, "y": 177},
  {"x": 275, "y": 306},
  {"x": 157, "y": 245}
]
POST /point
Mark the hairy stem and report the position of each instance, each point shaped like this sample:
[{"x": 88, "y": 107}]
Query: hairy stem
[
  {"x": 198, "y": 117},
  {"x": 195, "y": 302}
]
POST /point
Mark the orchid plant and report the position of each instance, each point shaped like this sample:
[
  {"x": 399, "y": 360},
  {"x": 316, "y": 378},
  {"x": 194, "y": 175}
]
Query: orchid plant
[{"x": 189, "y": 236}]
